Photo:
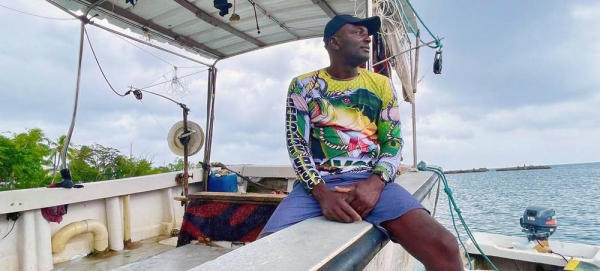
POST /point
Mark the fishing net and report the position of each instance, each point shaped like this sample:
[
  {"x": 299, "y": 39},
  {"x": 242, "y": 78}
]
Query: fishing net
[
  {"x": 394, "y": 31},
  {"x": 175, "y": 87}
]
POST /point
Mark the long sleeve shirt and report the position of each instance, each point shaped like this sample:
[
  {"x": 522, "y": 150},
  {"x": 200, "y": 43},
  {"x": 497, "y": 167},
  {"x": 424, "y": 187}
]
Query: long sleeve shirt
[{"x": 342, "y": 125}]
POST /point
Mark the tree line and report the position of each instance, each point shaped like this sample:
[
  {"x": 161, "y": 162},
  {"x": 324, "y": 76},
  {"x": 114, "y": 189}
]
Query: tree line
[{"x": 30, "y": 159}]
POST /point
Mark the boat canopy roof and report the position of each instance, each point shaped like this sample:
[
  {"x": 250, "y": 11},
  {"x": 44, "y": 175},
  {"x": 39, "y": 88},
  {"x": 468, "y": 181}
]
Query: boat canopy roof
[{"x": 197, "y": 26}]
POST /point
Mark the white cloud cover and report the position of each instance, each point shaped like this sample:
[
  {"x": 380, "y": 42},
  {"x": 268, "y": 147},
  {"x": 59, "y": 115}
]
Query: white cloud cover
[{"x": 459, "y": 125}]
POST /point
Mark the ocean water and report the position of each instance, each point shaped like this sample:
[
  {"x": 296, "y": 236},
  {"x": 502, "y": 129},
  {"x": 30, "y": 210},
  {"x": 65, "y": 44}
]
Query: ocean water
[{"x": 495, "y": 201}]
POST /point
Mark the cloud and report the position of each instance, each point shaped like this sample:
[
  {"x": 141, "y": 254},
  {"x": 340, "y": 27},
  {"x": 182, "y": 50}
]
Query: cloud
[
  {"x": 250, "y": 101},
  {"x": 567, "y": 114},
  {"x": 491, "y": 149},
  {"x": 585, "y": 12},
  {"x": 513, "y": 90},
  {"x": 443, "y": 125},
  {"x": 250, "y": 93}
]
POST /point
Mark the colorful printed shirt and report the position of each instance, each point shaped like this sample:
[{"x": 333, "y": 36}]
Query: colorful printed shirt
[{"x": 342, "y": 125}]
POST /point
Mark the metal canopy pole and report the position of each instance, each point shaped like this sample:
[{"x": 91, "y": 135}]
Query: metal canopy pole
[
  {"x": 210, "y": 109},
  {"x": 369, "y": 13},
  {"x": 77, "y": 87},
  {"x": 414, "y": 102},
  {"x": 186, "y": 141}
]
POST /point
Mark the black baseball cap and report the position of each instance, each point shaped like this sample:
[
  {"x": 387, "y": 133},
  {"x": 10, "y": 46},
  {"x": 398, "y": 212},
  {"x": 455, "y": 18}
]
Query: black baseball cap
[{"x": 372, "y": 23}]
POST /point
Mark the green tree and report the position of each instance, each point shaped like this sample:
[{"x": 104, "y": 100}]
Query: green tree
[
  {"x": 56, "y": 147},
  {"x": 22, "y": 158},
  {"x": 177, "y": 165},
  {"x": 94, "y": 163},
  {"x": 97, "y": 163},
  {"x": 132, "y": 167}
]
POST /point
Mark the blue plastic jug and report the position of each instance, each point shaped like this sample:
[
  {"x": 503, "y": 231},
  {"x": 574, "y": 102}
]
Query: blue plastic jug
[{"x": 224, "y": 183}]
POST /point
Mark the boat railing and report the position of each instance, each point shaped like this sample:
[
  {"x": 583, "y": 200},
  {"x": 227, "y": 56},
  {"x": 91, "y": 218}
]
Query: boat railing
[
  {"x": 134, "y": 209},
  {"x": 319, "y": 244},
  {"x": 130, "y": 209}
]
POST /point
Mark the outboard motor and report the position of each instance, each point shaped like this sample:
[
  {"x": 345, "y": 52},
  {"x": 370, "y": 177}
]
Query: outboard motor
[{"x": 538, "y": 223}]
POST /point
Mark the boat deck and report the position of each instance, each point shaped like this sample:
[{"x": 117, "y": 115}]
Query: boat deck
[
  {"x": 358, "y": 244},
  {"x": 157, "y": 253}
]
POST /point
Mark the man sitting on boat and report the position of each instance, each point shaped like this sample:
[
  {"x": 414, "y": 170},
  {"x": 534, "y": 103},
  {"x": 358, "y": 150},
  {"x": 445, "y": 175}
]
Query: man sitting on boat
[{"x": 344, "y": 140}]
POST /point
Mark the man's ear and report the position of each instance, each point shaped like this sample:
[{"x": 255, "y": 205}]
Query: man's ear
[{"x": 334, "y": 43}]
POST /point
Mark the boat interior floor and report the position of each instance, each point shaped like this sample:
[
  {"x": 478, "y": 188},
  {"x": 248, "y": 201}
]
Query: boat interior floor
[{"x": 157, "y": 253}]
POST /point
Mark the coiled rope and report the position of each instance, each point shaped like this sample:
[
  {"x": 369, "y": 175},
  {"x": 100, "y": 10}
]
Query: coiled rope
[{"x": 452, "y": 203}]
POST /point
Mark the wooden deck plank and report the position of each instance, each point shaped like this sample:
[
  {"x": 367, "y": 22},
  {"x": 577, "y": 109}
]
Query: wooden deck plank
[
  {"x": 237, "y": 197},
  {"x": 178, "y": 259}
]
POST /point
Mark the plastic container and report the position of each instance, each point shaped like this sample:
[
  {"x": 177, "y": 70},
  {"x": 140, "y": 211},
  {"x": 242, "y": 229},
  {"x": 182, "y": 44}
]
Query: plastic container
[{"x": 223, "y": 183}]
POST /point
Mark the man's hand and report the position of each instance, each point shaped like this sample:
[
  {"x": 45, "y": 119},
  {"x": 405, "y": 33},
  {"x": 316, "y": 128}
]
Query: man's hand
[
  {"x": 363, "y": 195},
  {"x": 333, "y": 205}
]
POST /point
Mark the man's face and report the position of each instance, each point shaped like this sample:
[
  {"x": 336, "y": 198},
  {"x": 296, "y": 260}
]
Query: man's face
[{"x": 353, "y": 44}]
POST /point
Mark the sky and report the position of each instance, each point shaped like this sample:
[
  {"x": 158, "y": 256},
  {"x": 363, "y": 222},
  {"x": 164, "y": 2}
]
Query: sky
[{"x": 519, "y": 85}]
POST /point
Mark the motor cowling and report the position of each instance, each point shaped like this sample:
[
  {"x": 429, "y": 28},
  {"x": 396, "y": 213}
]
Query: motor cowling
[{"x": 538, "y": 222}]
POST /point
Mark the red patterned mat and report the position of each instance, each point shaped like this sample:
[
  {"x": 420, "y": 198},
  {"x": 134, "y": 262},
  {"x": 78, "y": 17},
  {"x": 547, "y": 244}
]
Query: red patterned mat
[{"x": 223, "y": 221}]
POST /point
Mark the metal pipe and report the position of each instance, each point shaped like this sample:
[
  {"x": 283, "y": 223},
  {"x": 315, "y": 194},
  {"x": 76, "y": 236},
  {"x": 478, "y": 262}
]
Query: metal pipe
[
  {"x": 210, "y": 103},
  {"x": 369, "y": 13},
  {"x": 212, "y": 110},
  {"x": 77, "y": 85},
  {"x": 414, "y": 102},
  {"x": 206, "y": 162},
  {"x": 186, "y": 140}
]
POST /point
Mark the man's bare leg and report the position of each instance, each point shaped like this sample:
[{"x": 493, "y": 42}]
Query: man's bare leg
[{"x": 426, "y": 240}]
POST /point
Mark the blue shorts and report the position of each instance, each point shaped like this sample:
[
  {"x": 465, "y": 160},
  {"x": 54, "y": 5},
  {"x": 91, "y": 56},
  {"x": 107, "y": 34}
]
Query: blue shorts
[{"x": 394, "y": 201}]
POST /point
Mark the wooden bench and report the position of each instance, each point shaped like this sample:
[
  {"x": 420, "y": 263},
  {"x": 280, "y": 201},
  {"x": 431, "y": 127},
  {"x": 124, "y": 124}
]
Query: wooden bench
[{"x": 237, "y": 197}]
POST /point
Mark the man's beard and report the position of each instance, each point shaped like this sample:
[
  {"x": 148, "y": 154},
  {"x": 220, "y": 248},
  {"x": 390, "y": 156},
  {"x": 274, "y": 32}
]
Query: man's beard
[{"x": 356, "y": 61}]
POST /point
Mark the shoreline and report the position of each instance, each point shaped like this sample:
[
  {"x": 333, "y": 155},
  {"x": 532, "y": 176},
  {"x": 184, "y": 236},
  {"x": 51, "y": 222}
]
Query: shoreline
[
  {"x": 466, "y": 171},
  {"x": 524, "y": 167}
]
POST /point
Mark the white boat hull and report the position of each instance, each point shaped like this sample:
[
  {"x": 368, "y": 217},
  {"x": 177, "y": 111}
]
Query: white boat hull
[{"x": 504, "y": 249}]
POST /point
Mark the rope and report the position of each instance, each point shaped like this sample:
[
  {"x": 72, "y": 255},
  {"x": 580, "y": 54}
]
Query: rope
[
  {"x": 171, "y": 80},
  {"x": 431, "y": 67},
  {"x": 143, "y": 50},
  {"x": 255, "y": 16},
  {"x": 142, "y": 89},
  {"x": 11, "y": 228},
  {"x": 452, "y": 203},
  {"x": 538, "y": 241},
  {"x": 162, "y": 76},
  {"x": 132, "y": 89},
  {"x": 147, "y": 109},
  {"x": 99, "y": 67},
  {"x": 438, "y": 43},
  {"x": 356, "y": 8},
  {"x": 138, "y": 94}
]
